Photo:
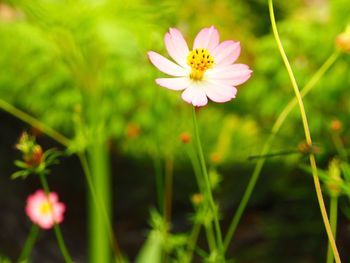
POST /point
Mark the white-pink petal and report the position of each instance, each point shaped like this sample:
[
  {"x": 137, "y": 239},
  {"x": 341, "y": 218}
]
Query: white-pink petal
[
  {"x": 195, "y": 94},
  {"x": 232, "y": 75},
  {"x": 166, "y": 66},
  {"x": 219, "y": 92},
  {"x": 174, "y": 83},
  {"x": 207, "y": 38},
  {"x": 233, "y": 81},
  {"x": 176, "y": 46},
  {"x": 229, "y": 71},
  {"x": 226, "y": 53}
]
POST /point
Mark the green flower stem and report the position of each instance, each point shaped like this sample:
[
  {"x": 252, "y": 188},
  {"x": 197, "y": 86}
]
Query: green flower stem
[
  {"x": 197, "y": 171},
  {"x": 193, "y": 241},
  {"x": 275, "y": 129},
  {"x": 98, "y": 203},
  {"x": 208, "y": 192},
  {"x": 157, "y": 162},
  {"x": 29, "y": 244},
  {"x": 169, "y": 171},
  {"x": 34, "y": 122},
  {"x": 307, "y": 135},
  {"x": 56, "y": 227},
  {"x": 333, "y": 217}
]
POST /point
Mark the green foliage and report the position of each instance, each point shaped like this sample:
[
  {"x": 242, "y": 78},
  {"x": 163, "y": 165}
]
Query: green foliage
[
  {"x": 56, "y": 61},
  {"x": 81, "y": 67},
  {"x": 95, "y": 49},
  {"x": 4, "y": 259}
]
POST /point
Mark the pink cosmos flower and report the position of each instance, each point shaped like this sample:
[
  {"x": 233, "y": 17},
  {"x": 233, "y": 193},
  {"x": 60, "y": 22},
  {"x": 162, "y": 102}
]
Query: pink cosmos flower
[
  {"x": 43, "y": 211},
  {"x": 207, "y": 71}
]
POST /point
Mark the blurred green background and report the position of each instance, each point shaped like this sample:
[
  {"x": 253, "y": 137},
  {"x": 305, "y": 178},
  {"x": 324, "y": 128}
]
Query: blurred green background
[{"x": 53, "y": 54}]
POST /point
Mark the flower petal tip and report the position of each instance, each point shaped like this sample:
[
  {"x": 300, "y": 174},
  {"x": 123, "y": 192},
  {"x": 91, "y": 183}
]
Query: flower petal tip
[{"x": 150, "y": 53}]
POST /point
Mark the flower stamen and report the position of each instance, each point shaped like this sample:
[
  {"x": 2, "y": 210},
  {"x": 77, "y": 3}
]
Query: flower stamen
[
  {"x": 45, "y": 208},
  {"x": 199, "y": 60}
]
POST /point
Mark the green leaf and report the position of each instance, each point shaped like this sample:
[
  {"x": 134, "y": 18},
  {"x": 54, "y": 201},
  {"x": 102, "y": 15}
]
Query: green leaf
[
  {"x": 22, "y": 173},
  {"x": 21, "y": 164}
]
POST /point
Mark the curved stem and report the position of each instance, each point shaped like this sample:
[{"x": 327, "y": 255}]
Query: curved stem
[
  {"x": 333, "y": 216},
  {"x": 34, "y": 122},
  {"x": 57, "y": 229},
  {"x": 29, "y": 244},
  {"x": 207, "y": 181},
  {"x": 275, "y": 129},
  {"x": 307, "y": 135}
]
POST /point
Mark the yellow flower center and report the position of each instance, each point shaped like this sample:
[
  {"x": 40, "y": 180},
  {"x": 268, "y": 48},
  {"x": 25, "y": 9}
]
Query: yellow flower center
[
  {"x": 199, "y": 60},
  {"x": 45, "y": 208}
]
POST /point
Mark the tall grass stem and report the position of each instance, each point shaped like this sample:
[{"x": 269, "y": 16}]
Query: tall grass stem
[{"x": 307, "y": 135}]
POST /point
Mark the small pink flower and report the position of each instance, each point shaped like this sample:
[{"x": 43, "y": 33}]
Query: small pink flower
[
  {"x": 43, "y": 211},
  {"x": 207, "y": 71}
]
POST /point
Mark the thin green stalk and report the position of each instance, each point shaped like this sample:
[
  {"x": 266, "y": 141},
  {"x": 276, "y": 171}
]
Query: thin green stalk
[
  {"x": 207, "y": 182},
  {"x": 210, "y": 236},
  {"x": 333, "y": 217},
  {"x": 275, "y": 129},
  {"x": 56, "y": 227},
  {"x": 29, "y": 244},
  {"x": 307, "y": 135},
  {"x": 196, "y": 168},
  {"x": 158, "y": 166},
  {"x": 192, "y": 241},
  {"x": 34, "y": 122},
  {"x": 159, "y": 183},
  {"x": 197, "y": 171},
  {"x": 97, "y": 201},
  {"x": 169, "y": 171}
]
